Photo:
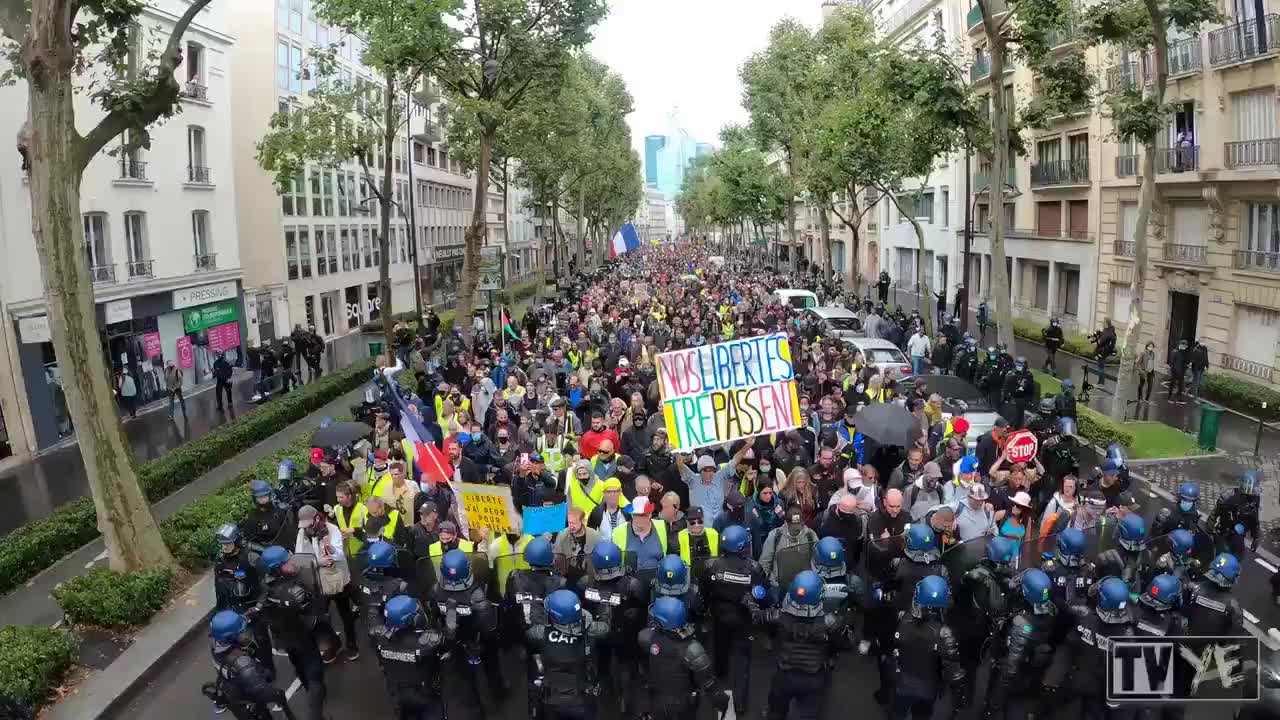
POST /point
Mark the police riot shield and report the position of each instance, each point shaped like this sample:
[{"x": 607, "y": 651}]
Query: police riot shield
[
  {"x": 962, "y": 557},
  {"x": 480, "y": 573},
  {"x": 573, "y": 567},
  {"x": 880, "y": 554},
  {"x": 424, "y": 579},
  {"x": 791, "y": 561},
  {"x": 308, "y": 572},
  {"x": 1202, "y": 554},
  {"x": 1099, "y": 537},
  {"x": 502, "y": 567},
  {"x": 643, "y": 569}
]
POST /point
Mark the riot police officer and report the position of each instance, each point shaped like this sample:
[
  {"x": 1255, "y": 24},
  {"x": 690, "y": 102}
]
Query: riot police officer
[
  {"x": 673, "y": 580},
  {"x": 236, "y": 586},
  {"x": 1177, "y": 560},
  {"x": 1052, "y": 342},
  {"x": 267, "y": 518},
  {"x": 1070, "y": 574},
  {"x": 1268, "y": 706},
  {"x": 564, "y": 648},
  {"x": 1186, "y": 515},
  {"x": 1065, "y": 403},
  {"x": 291, "y": 611},
  {"x": 966, "y": 359},
  {"x": 620, "y": 601},
  {"x": 736, "y": 585},
  {"x": 675, "y": 667},
  {"x": 843, "y": 592},
  {"x": 469, "y": 620},
  {"x": 1022, "y": 651},
  {"x": 1237, "y": 510},
  {"x": 1156, "y": 616},
  {"x": 926, "y": 654},
  {"x": 1211, "y": 609},
  {"x": 243, "y": 684},
  {"x": 922, "y": 559},
  {"x": 1019, "y": 390},
  {"x": 806, "y": 641},
  {"x": 378, "y": 584},
  {"x": 990, "y": 380},
  {"x": 981, "y": 602},
  {"x": 409, "y": 653},
  {"x": 1129, "y": 559},
  {"x": 1086, "y": 658},
  {"x": 528, "y": 588}
]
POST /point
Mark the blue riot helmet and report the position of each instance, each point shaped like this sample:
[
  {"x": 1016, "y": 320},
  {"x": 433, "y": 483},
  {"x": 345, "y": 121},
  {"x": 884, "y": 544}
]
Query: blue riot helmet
[
  {"x": 668, "y": 613},
  {"x": 1000, "y": 550},
  {"x": 284, "y": 471},
  {"x": 673, "y": 576},
  {"x": 227, "y": 626},
  {"x": 1067, "y": 426},
  {"x": 1250, "y": 482},
  {"x": 968, "y": 464},
  {"x": 804, "y": 599},
  {"x": 829, "y": 560},
  {"x": 1224, "y": 570},
  {"x": 1181, "y": 543},
  {"x": 538, "y": 553},
  {"x": 382, "y": 555},
  {"x": 1164, "y": 593},
  {"x": 606, "y": 561},
  {"x": 228, "y": 534},
  {"x": 1132, "y": 534},
  {"x": 1020, "y": 364},
  {"x": 1068, "y": 385},
  {"x": 922, "y": 544},
  {"x": 563, "y": 609},
  {"x": 1115, "y": 453},
  {"x": 455, "y": 570},
  {"x": 260, "y": 489},
  {"x": 1035, "y": 585},
  {"x": 931, "y": 594},
  {"x": 274, "y": 558},
  {"x": 734, "y": 540},
  {"x": 1070, "y": 547},
  {"x": 1188, "y": 496},
  {"x": 1113, "y": 601},
  {"x": 402, "y": 611}
]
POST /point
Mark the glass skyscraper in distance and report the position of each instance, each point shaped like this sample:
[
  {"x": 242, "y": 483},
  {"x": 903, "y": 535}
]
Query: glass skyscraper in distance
[{"x": 667, "y": 157}]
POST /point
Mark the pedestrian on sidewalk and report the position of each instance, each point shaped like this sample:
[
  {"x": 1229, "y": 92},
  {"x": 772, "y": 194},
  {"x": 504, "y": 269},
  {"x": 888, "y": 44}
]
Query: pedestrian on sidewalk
[
  {"x": 1178, "y": 362},
  {"x": 942, "y": 306},
  {"x": 918, "y": 347},
  {"x": 128, "y": 391},
  {"x": 1146, "y": 371},
  {"x": 222, "y": 376},
  {"x": 173, "y": 381},
  {"x": 1199, "y": 363}
]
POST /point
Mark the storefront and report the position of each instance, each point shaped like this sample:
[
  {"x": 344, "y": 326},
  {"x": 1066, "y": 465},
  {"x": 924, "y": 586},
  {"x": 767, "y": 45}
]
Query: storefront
[{"x": 444, "y": 275}]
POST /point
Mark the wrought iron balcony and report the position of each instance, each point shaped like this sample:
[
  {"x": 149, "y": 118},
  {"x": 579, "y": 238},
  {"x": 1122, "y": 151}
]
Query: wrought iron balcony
[
  {"x": 1126, "y": 166},
  {"x": 1242, "y": 41},
  {"x": 1061, "y": 172},
  {"x": 1176, "y": 160},
  {"x": 102, "y": 274},
  {"x": 1258, "y": 260},
  {"x": 982, "y": 178},
  {"x": 132, "y": 169},
  {"x": 1185, "y": 56},
  {"x": 207, "y": 262},
  {"x": 139, "y": 269},
  {"x": 1253, "y": 153},
  {"x": 1261, "y": 371},
  {"x": 995, "y": 7},
  {"x": 1067, "y": 33},
  {"x": 1185, "y": 254},
  {"x": 198, "y": 174},
  {"x": 195, "y": 91},
  {"x": 1013, "y": 233},
  {"x": 1123, "y": 76},
  {"x": 1123, "y": 248}
]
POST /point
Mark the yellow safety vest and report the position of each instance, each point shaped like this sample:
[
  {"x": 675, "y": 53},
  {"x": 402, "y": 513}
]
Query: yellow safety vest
[
  {"x": 552, "y": 455},
  {"x": 393, "y": 518},
  {"x": 582, "y": 499},
  {"x": 375, "y": 487},
  {"x": 713, "y": 543},
  {"x": 352, "y": 521},
  {"x": 436, "y": 549},
  {"x": 508, "y": 558},
  {"x": 621, "y": 533}
]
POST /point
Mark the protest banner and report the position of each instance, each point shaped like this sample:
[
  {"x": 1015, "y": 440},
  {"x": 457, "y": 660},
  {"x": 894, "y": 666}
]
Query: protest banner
[
  {"x": 727, "y": 391},
  {"x": 488, "y": 506},
  {"x": 546, "y": 519}
]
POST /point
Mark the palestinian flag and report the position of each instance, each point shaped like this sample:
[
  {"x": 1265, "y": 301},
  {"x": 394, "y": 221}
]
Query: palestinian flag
[{"x": 509, "y": 327}]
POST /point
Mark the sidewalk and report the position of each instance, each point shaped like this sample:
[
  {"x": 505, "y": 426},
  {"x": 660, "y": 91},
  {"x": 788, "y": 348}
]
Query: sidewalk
[
  {"x": 55, "y": 477},
  {"x": 31, "y": 604}
]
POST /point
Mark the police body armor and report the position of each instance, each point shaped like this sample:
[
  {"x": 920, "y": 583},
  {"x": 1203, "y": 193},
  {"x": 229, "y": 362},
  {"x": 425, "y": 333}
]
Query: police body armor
[
  {"x": 729, "y": 582},
  {"x": 981, "y": 606},
  {"x": 1152, "y": 623},
  {"x": 235, "y": 582},
  {"x": 1235, "y": 508},
  {"x": 468, "y": 615},
  {"x": 621, "y": 603},
  {"x": 1020, "y": 657},
  {"x": 676, "y": 665},
  {"x": 410, "y": 661},
  {"x": 264, "y": 523},
  {"x": 904, "y": 573},
  {"x": 526, "y": 590},
  {"x": 921, "y": 645},
  {"x": 807, "y": 644},
  {"x": 1087, "y": 646},
  {"x": 1211, "y": 610},
  {"x": 844, "y": 597},
  {"x": 1170, "y": 519},
  {"x": 289, "y": 610},
  {"x": 567, "y": 662},
  {"x": 694, "y": 606},
  {"x": 376, "y": 588},
  {"x": 1127, "y": 565},
  {"x": 1070, "y": 584},
  {"x": 243, "y": 685}
]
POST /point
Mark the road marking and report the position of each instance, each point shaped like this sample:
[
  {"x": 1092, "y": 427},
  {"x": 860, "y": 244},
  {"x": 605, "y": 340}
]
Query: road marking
[
  {"x": 293, "y": 688},
  {"x": 279, "y": 653},
  {"x": 99, "y": 558},
  {"x": 1250, "y": 617},
  {"x": 1265, "y": 564},
  {"x": 1151, "y": 494}
]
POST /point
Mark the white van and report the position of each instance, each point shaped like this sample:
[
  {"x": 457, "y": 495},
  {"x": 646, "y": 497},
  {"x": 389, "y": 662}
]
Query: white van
[{"x": 796, "y": 298}]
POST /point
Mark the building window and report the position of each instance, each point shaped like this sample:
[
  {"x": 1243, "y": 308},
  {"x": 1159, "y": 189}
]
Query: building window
[
  {"x": 1068, "y": 300},
  {"x": 289, "y": 15},
  {"x": 196, "y": 158},
  {"x": 331, "y": 250},
  {"x": 1262, "y": 228},
  {"x": 1257, "y": 334},
  {"x": 97, "y": 246},
  {"x": 344, "y": 194},
  {"x": 135, "y": 240},
  {"x": 326, "y": 312},
  {"x": 346, "y": 249},
  {"x": 194, "y": 62},
  {"x": 444, "y": 159},
  {"x": 317, "y": 194},
  {"x": 1120, "y": 299},
  {"x": 200, "y": 235},
  {"x": 327, "y": 192},
  {"x": 304, "y": 252},
  {"x": 431, "y": 156},
  {"x": 291, "y": 252},
  {"x": 419, "y": 153},
  {"x": 322, "y": 267},
  {"x": 366, "y": 245},
  {"x": 282, "y": 65}
]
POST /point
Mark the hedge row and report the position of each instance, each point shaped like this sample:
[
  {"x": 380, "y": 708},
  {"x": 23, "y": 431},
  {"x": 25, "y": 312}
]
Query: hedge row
[
  {"x": 1091, "y": 424},
  {"x": 110, "y": 599},
  {"x": 39, "y": 544},
  {"x": 1073, "y": 343},
  {"x": 33, "y": 660},
  {"x": 1241, "y": 395}
]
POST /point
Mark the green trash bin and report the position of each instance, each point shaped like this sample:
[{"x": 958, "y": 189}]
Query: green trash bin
[
  {"x": 375, "y": 349},
  {"x": 1210, "y": 414}
]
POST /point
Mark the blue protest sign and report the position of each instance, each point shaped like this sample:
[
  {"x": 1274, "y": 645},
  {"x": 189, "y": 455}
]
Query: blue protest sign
[{"x": 550, "y": 519}]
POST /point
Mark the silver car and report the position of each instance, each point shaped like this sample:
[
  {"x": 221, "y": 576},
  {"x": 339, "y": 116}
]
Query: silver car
[
  {"x": 881, "y": 353},
  {"x": 835, "y": 322}
]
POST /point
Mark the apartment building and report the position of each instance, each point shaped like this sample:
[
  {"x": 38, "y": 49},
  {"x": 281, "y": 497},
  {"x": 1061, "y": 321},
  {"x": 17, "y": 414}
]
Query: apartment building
[
  {"x": 311, "y": 252},
  {"x": 161, "y": 242}
]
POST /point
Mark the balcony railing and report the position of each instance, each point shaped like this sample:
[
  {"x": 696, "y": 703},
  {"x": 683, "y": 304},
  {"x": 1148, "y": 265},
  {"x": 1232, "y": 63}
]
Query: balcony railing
[
  {"x": 1035, "y": 234},
  {"x": 198, "y": 174},
  {"x": 1061, "y": 172},
  {"x": 1253, "y": 153},
  {"x": 132, "y": 169},
  {"x": 1261, "y": 371},
  {"x": 895, "y": 21},
  {"x": 1176, "y": 160},
  {"x": 982, "y": 178},
  {"x": 1185, "y": 56},
  {"x": 1126, "y": 166},
  {"x": 102, "y": 274},
  {"x": 1060, "y": 36},
  {"x": 207, "y": 262},
  {"x": 1258, "y": 260},
  {"x": 1244, "y": 40},
  {"x": 1187, "y": 254},
  {"x": 974, "y": 18},
  {"x": 139, "y": 269},
  {"x": 195, "y": 91},
  {"x": 1123, "y": 248},
  {"x": 1122, "y": 76}
]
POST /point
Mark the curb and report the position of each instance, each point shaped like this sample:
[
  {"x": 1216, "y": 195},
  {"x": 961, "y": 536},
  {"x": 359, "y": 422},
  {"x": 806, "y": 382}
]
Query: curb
[
  {"x": 1178, "y": 458},
  {"x": 102, "y": 691}
]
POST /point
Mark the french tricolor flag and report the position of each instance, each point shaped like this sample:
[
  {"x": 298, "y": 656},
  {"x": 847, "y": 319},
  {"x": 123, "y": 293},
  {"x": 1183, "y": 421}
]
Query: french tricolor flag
[{"x": 625, "y": 239}]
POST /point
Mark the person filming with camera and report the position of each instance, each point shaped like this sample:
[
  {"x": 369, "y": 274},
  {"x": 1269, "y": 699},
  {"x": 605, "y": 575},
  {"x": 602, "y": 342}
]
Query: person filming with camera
[{"x": 1105, "y": 341}]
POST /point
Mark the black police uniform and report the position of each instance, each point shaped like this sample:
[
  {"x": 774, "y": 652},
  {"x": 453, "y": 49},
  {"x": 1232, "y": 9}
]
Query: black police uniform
[
  {"x": 980, "y": 609},
  {"x": 236, "y": 586},
  {"x": 844, "y": 597},
  {"x": 1170, "y": 519},
  {"x": 243, "y": 685},
  {"x": 1019, "y": 391},
  {"x": 967, "y": 363},
  {"x": 471, "y": 624},
  {"x": 376, "y": 588},
  {"x": 526, "y": 591},
  {"x": 675, "y": 669},
  {"x": 567, "y": 687},
  {"x": 1065, "y": 405},
  {"x": 1070, "y": 588},
  {"x": 1235, "y": 507},
  {"x": 729, "y": 580},
  {"x": 1212, "y": 610},
  {"x": 806, "y": 649},
  {"x": 621, "y": 604},
  {"x": 1083, "y": 668},
  {"x": 290, "y": 611},
  {"x": 1052, "y": 342},
  {"x": 1149, "y": 622},
  {"x": 411, "y": 664},
  {"x": 903, "y": 575},
  {"x": 926, "y": 655},
  {"x": 695, "y": 608},
  {"x": 1020, "y": 656},
  {"x": 1128, "y": 565},
  {"x": 264, "y": 523}
]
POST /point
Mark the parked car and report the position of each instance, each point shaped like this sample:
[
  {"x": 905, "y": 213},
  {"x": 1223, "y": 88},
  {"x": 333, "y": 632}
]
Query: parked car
[
  {"x": 835, "y": 322},
  {"x": 881, "y": 353},
  {"x": 795, "y": 298}
]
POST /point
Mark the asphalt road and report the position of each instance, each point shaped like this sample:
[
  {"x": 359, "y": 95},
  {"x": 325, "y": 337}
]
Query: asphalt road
[{"x": 356, "y": 690}]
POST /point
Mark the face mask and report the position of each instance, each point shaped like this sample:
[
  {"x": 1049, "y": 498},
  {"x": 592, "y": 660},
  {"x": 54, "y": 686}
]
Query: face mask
[{"x": 1185, "y": 505}]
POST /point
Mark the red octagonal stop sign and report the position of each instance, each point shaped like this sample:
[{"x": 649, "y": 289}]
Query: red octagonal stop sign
[{"x": 1022, "y": 446}]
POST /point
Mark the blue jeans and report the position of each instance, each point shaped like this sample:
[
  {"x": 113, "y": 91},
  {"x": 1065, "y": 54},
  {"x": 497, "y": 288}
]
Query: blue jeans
[{"x": 919, "y": 364}]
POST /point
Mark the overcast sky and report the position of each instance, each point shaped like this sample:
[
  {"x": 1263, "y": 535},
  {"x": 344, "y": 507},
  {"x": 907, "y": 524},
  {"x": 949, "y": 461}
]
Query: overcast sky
[{"x": 686, "y": 53}]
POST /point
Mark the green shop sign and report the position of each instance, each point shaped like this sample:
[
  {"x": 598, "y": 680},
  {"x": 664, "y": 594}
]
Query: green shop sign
[{"x": 207, "y": 316}]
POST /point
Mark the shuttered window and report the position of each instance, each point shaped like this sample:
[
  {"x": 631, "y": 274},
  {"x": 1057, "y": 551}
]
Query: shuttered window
[
  {"x": 1120, "y": 297},
  {"x": 1190, "y": 224},
  {"x": 1257, "y": 334},
  {"x": 1255, "y": 114}
]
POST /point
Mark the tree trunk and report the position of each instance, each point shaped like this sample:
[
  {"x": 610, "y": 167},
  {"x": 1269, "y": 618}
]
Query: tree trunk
[
  {"x": 855, "y": 267},
  {"x": 1129, "y": 342},
  {"x": 824, "y": 239},
  {"x": 54, "y": 151},
  {"x": 384, "y": 230},
  {"x": 579, "y": 222},
  {"x": 791, "y": 211},
  {"x": 995, "y": 191},
  {"x": 474, "y": 235},
  {"x": 506, "y": 200},
  {"x": 922, "y": 300},
  {"x": 555, "y": 223}
]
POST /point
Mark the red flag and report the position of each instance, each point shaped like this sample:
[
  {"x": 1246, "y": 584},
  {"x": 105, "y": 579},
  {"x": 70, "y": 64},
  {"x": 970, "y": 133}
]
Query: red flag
[{"x": 432, "y": 462}]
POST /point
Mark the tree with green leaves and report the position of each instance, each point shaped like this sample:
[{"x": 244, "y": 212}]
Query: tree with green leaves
[
  {"x": 503, "y": 53},
  {"x": 756, "y": 191},
  {"x": 52, "y": 44},
  {"x": 344, "y": 122}
]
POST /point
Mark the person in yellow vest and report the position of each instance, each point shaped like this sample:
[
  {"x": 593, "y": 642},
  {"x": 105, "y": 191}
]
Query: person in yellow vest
[
  {"x": 349, "y": 515},
  {"x": 698, "y": 543},
  {"x": 506, "y": 554},
  {"x": 449, "y": 540},
  {"x": 582, "y": 488},
  {"x": 644, "y": 537},
  {"x": 400, "y": 493},
  {"x": 552, "y": 446},
  {"x": 377, "y": 477},
  {"x": 609, "y": 513},
  {"x": 382, "y": 523}
]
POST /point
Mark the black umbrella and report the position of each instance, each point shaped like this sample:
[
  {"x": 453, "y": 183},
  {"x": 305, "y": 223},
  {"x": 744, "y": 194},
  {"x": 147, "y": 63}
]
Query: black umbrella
[
  {"x": 888, "y": 424},
  {"x": 339, "y": 434}
]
